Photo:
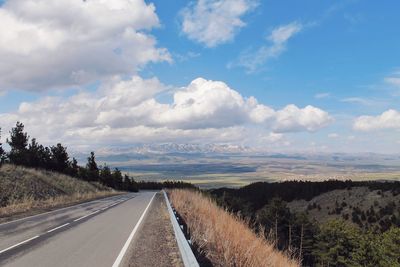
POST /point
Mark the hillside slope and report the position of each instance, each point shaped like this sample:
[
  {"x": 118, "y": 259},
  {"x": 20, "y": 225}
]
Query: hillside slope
[
  {"x": 358, "y": 205},
  {"x": 224, "y": 239},
  {"x": 23, "y": 189}
]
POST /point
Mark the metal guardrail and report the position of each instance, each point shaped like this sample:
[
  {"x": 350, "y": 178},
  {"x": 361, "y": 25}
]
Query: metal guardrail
[{"x": 189, "y": 260}]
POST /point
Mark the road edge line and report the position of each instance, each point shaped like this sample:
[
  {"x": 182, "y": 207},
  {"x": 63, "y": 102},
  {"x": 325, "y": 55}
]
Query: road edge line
[
  {"x": 128, "y": 241},
  {"x": 188, "y": 258}
]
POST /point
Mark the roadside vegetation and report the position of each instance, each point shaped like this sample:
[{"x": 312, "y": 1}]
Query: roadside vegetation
[
  {"x": 27, "y": 152},
  {"x": 37, "y": 177},
  {"x": 28, "y": 190},
  {"x": 348, "y": 232},
  {"x": 224, "y": 239},
  {"x": 34, "y": 177}
]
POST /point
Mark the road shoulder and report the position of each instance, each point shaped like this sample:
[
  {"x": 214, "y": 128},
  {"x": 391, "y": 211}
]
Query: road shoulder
[{"x": 155, "y": 243}]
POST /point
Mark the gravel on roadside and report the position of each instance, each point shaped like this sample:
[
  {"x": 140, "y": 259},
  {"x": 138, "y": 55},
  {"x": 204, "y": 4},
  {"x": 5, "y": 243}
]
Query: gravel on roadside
[{"x": 155, "y": 243}]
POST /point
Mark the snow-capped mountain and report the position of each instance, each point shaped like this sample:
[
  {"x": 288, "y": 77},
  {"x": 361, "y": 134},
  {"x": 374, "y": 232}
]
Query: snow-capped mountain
[{"x": 174, "y": 148}]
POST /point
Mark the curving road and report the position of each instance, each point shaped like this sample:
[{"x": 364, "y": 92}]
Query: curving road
[{"x": 96, "y": 233}]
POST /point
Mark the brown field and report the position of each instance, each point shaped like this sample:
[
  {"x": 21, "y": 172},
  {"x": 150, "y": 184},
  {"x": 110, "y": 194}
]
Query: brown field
[{"x": 225, "y": 239}]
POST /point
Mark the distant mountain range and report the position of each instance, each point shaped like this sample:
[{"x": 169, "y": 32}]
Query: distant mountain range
[{"x": 168, "y": 148}]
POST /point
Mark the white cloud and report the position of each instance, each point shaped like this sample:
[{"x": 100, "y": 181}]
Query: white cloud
[
  {"x": 359, "y": 100},
  {"x": 333, "y": 135},
  {"x": 58, "y": 43},
  {"x": 273, "y": 137},
  {"x": 389, "y": 119},
  {"x": 322, "y": 95},
  {"x": 394, "y": 81},
  {"x": 294, "y": 119},
  {"x": 187, "y": 56},
  {"x": 351, "y": 137},
  {"x": 252, "y": 60},
  {"x": 214, "y": 22},
  {"x": 126, "y": 111},
  {"x": 283, "y": 33}
]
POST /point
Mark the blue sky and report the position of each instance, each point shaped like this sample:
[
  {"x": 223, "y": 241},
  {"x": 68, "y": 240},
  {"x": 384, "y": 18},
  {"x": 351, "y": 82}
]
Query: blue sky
[{"x": 341, "y": 59}]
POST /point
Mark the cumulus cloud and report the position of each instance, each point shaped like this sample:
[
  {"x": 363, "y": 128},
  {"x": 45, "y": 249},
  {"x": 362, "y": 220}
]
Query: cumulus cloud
[
  {"x": 389, "y": 119},
  {"x": 213, "y": 22},
  {"x": 122, "y": 111},
  {"x": 294, "y": 119},
  {"x": 252, "y": 60},
  {"x": 58, "y": 43}
]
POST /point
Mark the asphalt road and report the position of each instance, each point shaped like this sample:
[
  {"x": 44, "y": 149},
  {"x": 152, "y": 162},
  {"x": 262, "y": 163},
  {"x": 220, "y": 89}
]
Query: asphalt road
[{"x": 95, "y": 233}]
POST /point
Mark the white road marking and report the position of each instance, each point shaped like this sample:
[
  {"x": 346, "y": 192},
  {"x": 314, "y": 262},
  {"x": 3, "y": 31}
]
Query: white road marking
[
  {"x": 69, "y": 207},
  {"x": 20, "y": 243},
  {"x": 87, "y": 215},
  {"x": 61, "y": 226},
  {"x": 127, "y": 243}
]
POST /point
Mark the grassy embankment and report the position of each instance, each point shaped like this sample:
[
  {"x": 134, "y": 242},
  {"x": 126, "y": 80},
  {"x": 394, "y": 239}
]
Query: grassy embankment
[
  {"x": 225, "y": 239},
  {"x": 28, "y": 191}
]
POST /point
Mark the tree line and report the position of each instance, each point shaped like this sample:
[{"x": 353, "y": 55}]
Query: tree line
[{"x": 26, "y": 151}]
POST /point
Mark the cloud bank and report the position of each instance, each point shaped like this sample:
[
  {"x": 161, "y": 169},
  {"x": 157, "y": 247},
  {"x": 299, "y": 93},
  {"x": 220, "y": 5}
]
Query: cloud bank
[
  {"x": 61, "y": 43},
  {"x": 389, "y": 119},
  {"x": 127, "y": 111}
]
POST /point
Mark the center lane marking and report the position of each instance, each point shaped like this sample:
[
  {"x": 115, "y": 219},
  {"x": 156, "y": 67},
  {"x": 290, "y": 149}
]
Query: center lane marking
[
  {"x": 61, "y": 226},
  {"x": 20, "y": 243},
  {"x": 66, "y": 224}
]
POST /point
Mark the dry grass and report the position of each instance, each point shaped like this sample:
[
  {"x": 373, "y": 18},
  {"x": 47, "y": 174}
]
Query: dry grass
[
  {"x": 225, "y": 239},
  {"x": 30, "y": 204},
  {"x": 25, "y": 190}
]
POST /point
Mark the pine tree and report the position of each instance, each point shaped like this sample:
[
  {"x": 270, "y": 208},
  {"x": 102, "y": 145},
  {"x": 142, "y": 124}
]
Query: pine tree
[
  {"x": 275, "y": 217},
  {"x": 130, "y": 184},
  {"x": 60, "y": 158},
  {"x": 33, "y": 154},
  {"x": 117, "y": 179},
  {"x": 74, "y": 168},
  {"x": 18, "y": 143},
  {"x": 93, "y": 170},
  {"x": 44, "y": 154},
  {"x": 106, "y": 177},
  {"x": 336, "y": 242}
]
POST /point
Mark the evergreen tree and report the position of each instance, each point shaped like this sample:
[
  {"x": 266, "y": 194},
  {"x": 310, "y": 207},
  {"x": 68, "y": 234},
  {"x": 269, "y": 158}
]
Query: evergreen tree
[
  {"x": 336, "y": 243},
  {"x": 45, "y": 160},
  {"x": 83, "y": 173},
  {"x": 60, "y": 158},
  {"x": 18, "y": 143},
  {"x": 93, "y": 170},
  {"x": 275, "y": 217},
  {"x": 2, "y": 152},
  {"x": 129, "y": 184},
  {"x": 117, "y": 179},
  {"x": 74, "y": 169},
  {"x": 390, "y": 247},
  {"x": 106, "y": 177},
  {"x": 367, "y": 252},
  {"x": 34, "y": 157}
]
